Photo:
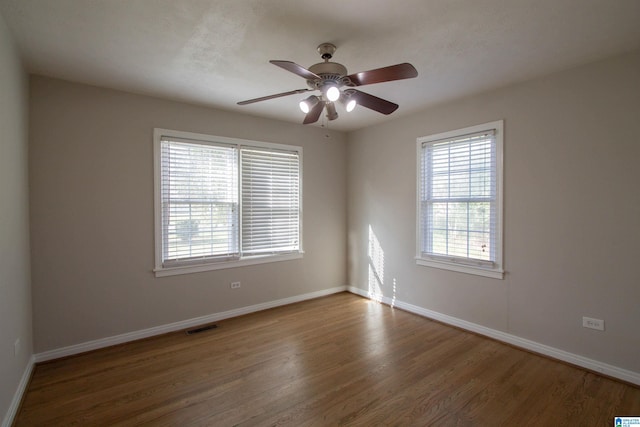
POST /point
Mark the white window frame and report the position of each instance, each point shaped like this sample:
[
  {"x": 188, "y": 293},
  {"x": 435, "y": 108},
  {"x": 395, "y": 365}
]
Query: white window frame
[
  {"x": 460, "y": 264},
  {"x": 160, "y": 270}
]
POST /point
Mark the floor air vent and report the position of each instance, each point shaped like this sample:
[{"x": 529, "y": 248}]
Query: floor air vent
[{"x": 200, "y": 329}]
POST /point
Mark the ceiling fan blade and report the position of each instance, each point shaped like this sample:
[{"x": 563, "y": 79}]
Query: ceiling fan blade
[
  {"x": 313, "y": 115},
  {"x": 373, "y": 102},
  {"x": 385, "y": 74},
  {"x": 277, "y": 95},
  {"x": 296, "y": 69}
]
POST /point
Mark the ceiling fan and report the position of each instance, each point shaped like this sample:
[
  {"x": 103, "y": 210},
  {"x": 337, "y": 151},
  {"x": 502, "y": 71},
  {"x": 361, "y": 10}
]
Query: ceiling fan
[{"x": 335, "y": 85}]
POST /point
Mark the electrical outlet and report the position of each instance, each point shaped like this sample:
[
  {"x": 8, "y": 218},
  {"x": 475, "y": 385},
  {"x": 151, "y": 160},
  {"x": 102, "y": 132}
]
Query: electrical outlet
[
  {"x": 16, "y": 347},
  {"x": 591, "y": 323},
  {"x": 235, "y": 285}
]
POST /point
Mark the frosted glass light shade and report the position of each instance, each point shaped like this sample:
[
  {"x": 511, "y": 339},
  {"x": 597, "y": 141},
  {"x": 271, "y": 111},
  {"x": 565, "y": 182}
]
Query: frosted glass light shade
[
  {"x": 308, "y": 103},
  {"x": 333, "y": 93}
]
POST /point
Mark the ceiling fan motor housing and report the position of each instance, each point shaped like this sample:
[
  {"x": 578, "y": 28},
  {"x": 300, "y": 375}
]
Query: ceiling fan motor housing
[{"x": 329, "y": 71}]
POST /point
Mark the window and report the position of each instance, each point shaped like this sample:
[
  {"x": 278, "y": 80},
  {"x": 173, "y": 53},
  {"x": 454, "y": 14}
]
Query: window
[
  {"x": 222, "y": 202},
  {"x": 460, "y": 200}
]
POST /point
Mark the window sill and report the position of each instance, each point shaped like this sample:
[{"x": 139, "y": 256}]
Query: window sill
[
  {"x": 260, "y": 259},
  {"x": 462, "y": 268}
]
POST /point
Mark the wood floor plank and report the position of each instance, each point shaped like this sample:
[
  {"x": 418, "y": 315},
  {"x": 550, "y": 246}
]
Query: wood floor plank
[{"x": 338, "y": 360}]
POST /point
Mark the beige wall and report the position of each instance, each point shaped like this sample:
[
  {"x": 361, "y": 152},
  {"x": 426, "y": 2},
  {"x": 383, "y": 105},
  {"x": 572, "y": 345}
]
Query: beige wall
[
  {"x": 572, "y": 211},
  {"x": 91, "y": 171},
  {"x": 15, "y": 292}
]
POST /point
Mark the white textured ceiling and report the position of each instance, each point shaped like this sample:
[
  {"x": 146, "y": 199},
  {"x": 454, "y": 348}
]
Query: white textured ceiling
[{"x": 216, "y": 53}]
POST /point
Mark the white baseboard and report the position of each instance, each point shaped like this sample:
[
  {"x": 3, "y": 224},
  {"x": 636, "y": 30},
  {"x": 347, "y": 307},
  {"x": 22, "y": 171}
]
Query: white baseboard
[
  {"x": 565, "y": 356},
  {"x": 163, "y": 329},
  {"x": 17, "y": 397}
]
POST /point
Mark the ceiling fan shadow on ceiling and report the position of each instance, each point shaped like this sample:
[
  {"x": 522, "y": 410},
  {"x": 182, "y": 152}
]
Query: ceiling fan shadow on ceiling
[{"x": 335, "y": 85}]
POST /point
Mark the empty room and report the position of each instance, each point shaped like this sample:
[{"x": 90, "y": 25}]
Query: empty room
[{"x": 287, "y": 212}]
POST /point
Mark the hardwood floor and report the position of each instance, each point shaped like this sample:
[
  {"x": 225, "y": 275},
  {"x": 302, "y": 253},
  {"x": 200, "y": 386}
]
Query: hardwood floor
[{"x": 338, "y": 360}]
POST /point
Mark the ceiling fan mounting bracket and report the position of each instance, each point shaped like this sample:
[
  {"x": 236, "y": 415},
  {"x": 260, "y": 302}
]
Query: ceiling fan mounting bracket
[{"x": 326, "y": 50}]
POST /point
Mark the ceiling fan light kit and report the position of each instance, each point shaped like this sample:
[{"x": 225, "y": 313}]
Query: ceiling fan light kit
[
  {"x": 308, "y": 103},
  {"x": 332, "y": 114},
  {"x": 349, "y": 104},
  {"x": 332, "y": 93},
  {"x": 334, "y": 84}
]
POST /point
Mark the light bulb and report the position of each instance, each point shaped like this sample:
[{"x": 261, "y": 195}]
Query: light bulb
[
  {"x": 351, "y": 104},
  {"x": 307, "y": 103},
  {"x": 333, "y": 93}
]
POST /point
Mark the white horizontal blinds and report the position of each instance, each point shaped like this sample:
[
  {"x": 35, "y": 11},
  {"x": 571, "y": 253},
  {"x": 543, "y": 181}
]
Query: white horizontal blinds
[
  {"x": 270, "y": 201},
  {"x": 459, "y": 197},
  {"x": 199, "y": 192}
]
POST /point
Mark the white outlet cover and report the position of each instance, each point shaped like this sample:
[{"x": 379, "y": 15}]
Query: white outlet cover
[{"x": 591, "y": 323}]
